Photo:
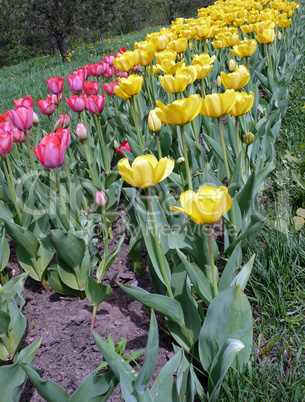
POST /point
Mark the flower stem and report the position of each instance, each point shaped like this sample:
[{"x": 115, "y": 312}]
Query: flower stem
[
  {"x": 11, "y": 186},
  {"x": 214, "y": 280},
  {"x": 62, "y": 202},
  {"x": 158, "y": 146},
  {"x": 187, "y": 166},
  {"x": 103, "y": 145},
  {"x": 158, "y": 246},
  {"x": 30, "y": 153},
  {"x": 134, "y": 114},
  {"x": 224, "y": 151},
  {"x": 237, "y": 134}
]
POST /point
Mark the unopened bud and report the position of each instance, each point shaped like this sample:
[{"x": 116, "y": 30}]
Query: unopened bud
[
  {"x": 180, "y": 161},
  {"x": 81, "y": 132},
  {"x": 1, "y": 290},
  {"x": 154, "y": 123},
  {"x": 232, "y": 65},
  {"x": 100, "y": 198},
  {"x": 218, "y": 82},
  {"x": 35, "y": 119},
  {"x": 248, "y": 139},
  {"x": 279, "y": 35}
]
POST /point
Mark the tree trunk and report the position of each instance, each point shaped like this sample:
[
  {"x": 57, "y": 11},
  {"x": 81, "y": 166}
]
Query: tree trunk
[{"x": 61, "y": 43}]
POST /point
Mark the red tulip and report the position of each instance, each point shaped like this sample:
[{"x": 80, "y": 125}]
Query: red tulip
[
  {"x": 5, "y": 116},
  {"x": 109, "y": 73},
  {"x": 46, "y": 107},
  {"x": 55, "y": 85},
  {"x": 81, "y": 132},
  {"x": 6, "y": 142},
  {"x": 100, "y": 198},
  {"x": 54, "y": 98},
  {"x": 136, "y": 68},
  {"x": 5, "y": 126},
  {"x": 120, "y": 74},
  {"x": 24, "y": 102},
  {"x": 63, "y": 121},
  {"x": 22, "y": 117},
  {"x": 109, "y": 88},
  {"x": 95, "y": 104},
  {"x": 51, "y": 150},
  {"x": 76, "y": 82},
  {"x": 64, "y": 134},
  {"x": 18, "y": 135},
  {"x": 96, "y": 70},
  {"x": 124, "y": 146},
  {"x": 91, "y": 88},
  {"x": 108, "y": 60},
  {"x": 76, "y": 103}
]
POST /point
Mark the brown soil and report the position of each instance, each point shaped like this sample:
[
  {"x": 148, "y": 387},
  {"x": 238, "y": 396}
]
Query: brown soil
[{"x": 68, "y": 353}]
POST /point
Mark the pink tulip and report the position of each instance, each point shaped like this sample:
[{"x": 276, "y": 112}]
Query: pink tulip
[
  {"x": 46, "y": 107},
  {"x": 109, "y": 88},
  {"x": 91, "y": 88},
  {"x": 120, "y": 74},
  {"x": 76, "y": 103},
  {"x": 54, "y": 98},
  {"x": 18, "y": 135},
  {"x": 109, "y": 73},
  {"x": 22, "y": 117},
  {"x": 108, "y": 60},
  {"x": 63, "y": 121},
  {"x": 55, "y": 85},
  {"x": 124, "y": 146},
  {"x": 5, "y": 126},
  {"x": 81, "y": 132},
  {"x": 95, "y": 104},
  {"x": 100, "y": 198},
  {"x": 6, "y": 143},
  {"x": 96, "y": 70},
  {"x": 24, "y": 102},
  {"x": 76, "y": 82},
  {"x": 51, "y": 150}
]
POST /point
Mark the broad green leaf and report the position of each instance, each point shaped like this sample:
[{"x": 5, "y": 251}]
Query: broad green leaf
[
  {"x": 230, "y": 269},
  {"x": 108, "y": 260},
  {"x": 59, "y": 286},
  {"x": 229, "y": 316},
  {"x": 4, "y": 252},
  {"x": 69, "y": 247},
  {"x": 22, "y": 238},
  {"x": 221, "y": 364},
  {"x": 96, "y": 292},
  {"x": 27, "y": 213},
  {"x": 4, "y": 323},
  {"x": 246, "y": 195},
  {"x": 243, "y": 276},
  {"x": 97, "y": 388}
]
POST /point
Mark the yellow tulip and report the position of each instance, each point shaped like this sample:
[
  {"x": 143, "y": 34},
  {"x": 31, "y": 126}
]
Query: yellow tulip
[
  {"x": 245, "y": 48},
  {"x": 248, "y": 139},
  {"x": 190, "y": 71},
  {"x": 144, "y": 57},
  {"x": 243, "y": 103},
  {"x": 154, "y": 123},
  {"x": 217, "y": 105},
  {"x": 203, "y": 59},
  {"x": 207, "y": 206},
  {"x": 169, "y": 66},
  {"x": 156, "y": 70},
  {"x": 165, "y": 54},
  {"x": 261, "y": 27},
  {"x": 266, "y": 37},
  {"x": 201, "y": 31},
  {"x": 178, "y": 45},
  {"x": 126, "y": 61},
  {"x": 218, "y": 44},
  {"x": 203, "y": 71},
  {"x": 283, "y": 23},
  {"x": 236, "y": 80},
  {"x": 180, "y": 112},
  {"x": 128, "y": 87},
  {"x": 187, "y": 33},
  {"x": 228, "y": 39},
  {"x": 174, "y": 84},
  {"x": 247, "y": 29},
  {"x": 158, "y": 41},
  {"x": 146, "y": 170}
]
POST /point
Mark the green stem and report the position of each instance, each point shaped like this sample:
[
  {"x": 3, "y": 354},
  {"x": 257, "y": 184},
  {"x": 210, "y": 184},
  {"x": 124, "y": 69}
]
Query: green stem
[
  {"x": 224, "y": 151},
  {"x": 50, "y": 121},
  {"x": 134, "y": 114},
  {"x": 94, "y": 312},
  {"x": 158, "y": 146},
  {"x": 147, "y": 86},
  {"x": 11, "y": 186},
  {"x": 89, "y": 163},
  {"x": 187, "y": 166},
  {"x": 211, "y": 252},
  {"x": 195, "y": 133},
  {"x": 30, "y": 152},
  {"x": 62, "y": 202},
  {"x": 237, "y": 134},
  {"x": 203, "y": 94},
  {"x": 103, "y": 145},
  {"x": 158, "y": 246},
  {"x": 152, "y": 80},
  {"x": 67, "y": 172},
  {"x": 58, "y": 105}
]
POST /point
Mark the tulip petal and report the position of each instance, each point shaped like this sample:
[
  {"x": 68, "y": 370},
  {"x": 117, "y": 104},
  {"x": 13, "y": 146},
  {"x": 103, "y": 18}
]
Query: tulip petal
[
  {"x": 163, "y": 169},
  {"x": 126, "y": 171}
]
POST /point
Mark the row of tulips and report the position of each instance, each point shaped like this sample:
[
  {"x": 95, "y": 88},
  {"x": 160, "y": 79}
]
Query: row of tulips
[{"x": 197, "y": 158}]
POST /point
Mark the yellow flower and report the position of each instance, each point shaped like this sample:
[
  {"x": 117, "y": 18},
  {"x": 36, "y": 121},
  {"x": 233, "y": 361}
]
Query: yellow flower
[
  {"x": 236, "y": 80},
  {"x": 169, "y": 66},
  {"x": 218, "y": 44},
  {"x": 126, "y": 61},
  {"x": 154, "y": 123},
  {"x": 202, "y": 30},
  {"x": 266, "y": 37},
  {"x": 243, "y": 103},
  {"x": 203, "y": 59},
  {"x": 283, "y": 23},
  {"x": 174, "y": 84},
  {"x": 244, "y": 48},
  {"x": 203, "y": 71},
  {"x": 156, "y": 70},
  {"x": 247, "y": 29},
  {"x": 178, "y": 45},
  {"x": 165, "y": 54},
  {"x": 158, "y": 41},
  {"x": 207, "y": 206},
  {"x": 146, "y": 170},
  {"x": 180, "y": 112},
  {"x": 128, "y": 87},
  {"x": 144, "y": 56},
  {"x": 217, "y": 105},
  {"x": 261, "y": 27},
  {"x": 190, "y": 71},
  {"x": 228, "y": 39}
]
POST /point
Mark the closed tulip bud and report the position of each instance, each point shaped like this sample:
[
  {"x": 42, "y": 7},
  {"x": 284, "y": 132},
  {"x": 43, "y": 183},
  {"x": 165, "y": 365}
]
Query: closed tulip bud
[
  {"x": 279, "y": 36},
  {"x": 248, "y": 139},
  {"x": 154, "y": 123},
  {"x": 35, "y": 119},
  {"x": 180, "y": 161},
  {"x": 81, "y": 132},
  {"x": 218, "y": 82},
  {"x": 100, "y": 198},
  {"x": 232, "y": 65}
]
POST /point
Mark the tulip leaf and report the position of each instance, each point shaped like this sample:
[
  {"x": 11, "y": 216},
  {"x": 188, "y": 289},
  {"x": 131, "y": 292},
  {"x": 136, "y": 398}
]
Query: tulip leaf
[
  {"x": 4, "y": 323},
  {"x": 4, "y": 251},
  {"x": 243, "y": 276},
  {"x": 6, "y": 213},
  {"x": 246, "y": 195},
  {"x": 59, "y": 286},
  {"x": 96, "y": 292},
  {"x": 27, "y": 213},
  {"x": 221, "y": 364},
  {"x": 108, "y": 260},
  {"x": 70, "y": 248},
  {"x": 229, "y": 316},
  {"x": 232, "y": 265},
  {"x": 22, "y": 238},
  {"x": 163, "y": 304}
]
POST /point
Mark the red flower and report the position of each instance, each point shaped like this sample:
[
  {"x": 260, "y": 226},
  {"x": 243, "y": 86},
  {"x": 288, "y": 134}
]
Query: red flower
[
  {"x": 5, "y": 126},
  {"x": 77, "y": 103},
  {"x": 46, "y": 107},
  {"x": 96, "y": 70},
  {"x": 109, "y": 88},
  {"x": 63, "y": 121},
  {"x": 76, "y": 82},
  {"x": 22, "y": 117},
  {"x": 124, "y": 146},
  {"x": 6, "y": 142},
  {"x": 55, "y": 85},
  {"x": 81, "y": 132},
  {"x": 5, "y": 116},
  {"x": 51, "y": 150},
  {"x": 91, "y": 88},
  {"x": 24, "y": 102},
  {"x": 108, "y": 60},
  {"x": 54, "y": 98},
  {"x": 18, "y": 135},
  {"x": 120, "y": 74},
  {"x": 95, "y": 104},
  {"x": 109, "y": 73}
]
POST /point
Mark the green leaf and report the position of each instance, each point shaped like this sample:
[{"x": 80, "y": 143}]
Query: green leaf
[
  {"x": 4, "y": 323},
  {"x": 22, "y": 238},
  {"x": 228, "y": 317},
  {"x": 243, "y": 276},
  {"x": 69, "y": 247},
  {"x": 59, "y": 286},
  {"x": 221, "y": 364},
  {"x": 27, "y": 213},
  {"x": 230, "y": 269},
  {"x": 108, "y": 260},
  {"x": 6, "y": 213},
  {"x": 152, "y": 350},
  {"x": 47, "y": 389},
  {"x": 95, "y": 386},
  {"x": 163, "y": 304},
  {"x": 96, "y": 292},
  {"x": 4, "y": 252},
  {"x": 246, "y": 195}
]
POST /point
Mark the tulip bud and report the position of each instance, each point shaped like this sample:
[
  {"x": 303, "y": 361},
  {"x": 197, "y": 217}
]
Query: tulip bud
[
  {"x": 81, "y": 132},
  {"x": 232, "y": 65},
  {"x": 180, "y": 161},
  {"x": 279, "y": 35},
  {"x": 218, "y": 82},
  {"x": 100, "y": 198},
  {"x": 154, "y": 123},
  {"x": 44, "y": 133},
  {"x": 1, "y": 290},
  {"x": 35, "y": 119},
  {"x": 248, "y": 139}
]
